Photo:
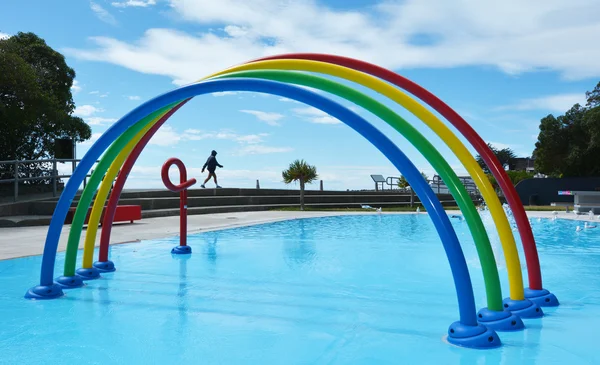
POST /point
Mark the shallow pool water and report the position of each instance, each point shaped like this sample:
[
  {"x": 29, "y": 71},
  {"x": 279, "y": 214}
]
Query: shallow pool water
[{"x": 340, "y": 290}]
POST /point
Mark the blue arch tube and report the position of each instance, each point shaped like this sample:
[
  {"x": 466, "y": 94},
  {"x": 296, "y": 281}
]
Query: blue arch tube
[{"x": 466, "y": 332}]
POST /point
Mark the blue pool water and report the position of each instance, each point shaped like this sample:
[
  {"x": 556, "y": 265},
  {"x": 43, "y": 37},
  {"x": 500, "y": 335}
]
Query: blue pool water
[{"x": 340, "y": 290}]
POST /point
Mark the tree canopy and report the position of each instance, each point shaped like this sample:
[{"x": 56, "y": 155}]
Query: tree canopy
[
  {"x": 569, "y": 145},
  {"x": 300, "y": 171},
  {"x": 36, "y": 104},
  {"x": 505, "y": 156},
  {"x": 403, "y": 183}
]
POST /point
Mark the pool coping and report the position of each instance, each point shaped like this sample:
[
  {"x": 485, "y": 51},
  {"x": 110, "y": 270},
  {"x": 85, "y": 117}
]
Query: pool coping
[{"x": 17, "y": 242}]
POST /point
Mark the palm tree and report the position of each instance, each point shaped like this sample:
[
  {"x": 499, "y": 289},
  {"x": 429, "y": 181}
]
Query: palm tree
[{"x": 299, "y": 170}]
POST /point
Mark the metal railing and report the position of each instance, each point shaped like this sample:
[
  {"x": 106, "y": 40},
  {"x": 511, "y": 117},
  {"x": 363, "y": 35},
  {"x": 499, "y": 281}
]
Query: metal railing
[
  {"x": 53, "y": 176},
  {"x": 437, "y": 185}
]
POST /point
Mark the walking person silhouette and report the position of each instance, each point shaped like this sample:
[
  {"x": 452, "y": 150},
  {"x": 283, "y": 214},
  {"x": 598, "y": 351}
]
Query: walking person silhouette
[{"x": 211, "y": 165}]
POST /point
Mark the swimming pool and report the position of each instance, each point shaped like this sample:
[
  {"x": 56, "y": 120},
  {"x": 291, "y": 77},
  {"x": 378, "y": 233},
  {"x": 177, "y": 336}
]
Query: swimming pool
[{"x": 370, "y": 289}]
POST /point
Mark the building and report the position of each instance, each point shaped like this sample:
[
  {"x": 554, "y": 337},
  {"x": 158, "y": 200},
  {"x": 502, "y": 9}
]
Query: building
[{"x": 523, "y": 164}]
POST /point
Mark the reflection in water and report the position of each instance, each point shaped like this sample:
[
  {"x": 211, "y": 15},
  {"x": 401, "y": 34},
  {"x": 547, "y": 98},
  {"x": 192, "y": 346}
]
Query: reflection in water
[
  {"x": 299, "y": 250},
  {"x": 211, "y": 250},
  {"x": 182, "y": 299}
]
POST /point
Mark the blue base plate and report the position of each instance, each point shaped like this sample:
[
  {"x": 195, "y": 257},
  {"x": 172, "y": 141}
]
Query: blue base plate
[
  {"x": 475, "y": 337},
  {"x": 44, "y": 292},
  {"x": 105, "y": 266},
  {"x": 523, "y": 308},
  {"x": 181, "y": 250},
  {"x": 500, "y": 320},
  {"x": 542, "y": 297},
  {"x": 88, "y": 273},
  {"x": 69, "y": 282}
]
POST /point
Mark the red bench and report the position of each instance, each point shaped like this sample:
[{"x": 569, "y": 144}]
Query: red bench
[{"x": 124, "y": 213}]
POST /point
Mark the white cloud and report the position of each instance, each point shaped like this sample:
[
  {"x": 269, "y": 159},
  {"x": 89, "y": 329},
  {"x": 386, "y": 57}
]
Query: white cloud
[
  {"x": 407, "y": 34},
  {"x": 168, "y": 136},
  {"x": 252, "y": 138},
  {"x": 258, "y": 149},
  {"x": 104, "y": 95},
  {"x": 86, "y": 110},
  {"x": 315, "y": 115},
  {"x": 235, "y": 31},
  {"x": 225, "y": 93},
  {"x": 197, "y": 135},
  {"x": 557, "y": 103},
  {"x": 134, "y": 3},
  {"x": 92, "y": 140},
  {"x": 95, "y": 92},
  {"x": 4, "y": 35},
  {"x": 269, "y": 118},
  {"x": 103, "y": 14},
  {"x": 75, "y": 88},
  {"x": 165, "y": 136},
  {"x": 100, "y": 120},
  {"x": 134, "y": 97}
]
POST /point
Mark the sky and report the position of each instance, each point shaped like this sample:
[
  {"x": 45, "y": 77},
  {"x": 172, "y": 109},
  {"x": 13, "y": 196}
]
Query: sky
[{"x": 502, "y": 65}]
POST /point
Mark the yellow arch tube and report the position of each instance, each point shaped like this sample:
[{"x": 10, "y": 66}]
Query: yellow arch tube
[
  {"x": 509, "y": 246},
  {"x": 498, "y": 215},
  {"x": 104, "y": 190}
]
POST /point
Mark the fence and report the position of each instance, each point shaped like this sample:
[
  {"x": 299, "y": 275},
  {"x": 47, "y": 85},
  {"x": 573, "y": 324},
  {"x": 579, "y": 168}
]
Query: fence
[
  {"x": 437, "y": 185},
  {"x": 16, "y": 174}
]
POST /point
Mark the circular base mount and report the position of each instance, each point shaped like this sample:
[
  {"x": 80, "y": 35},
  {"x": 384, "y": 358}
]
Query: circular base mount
[
  {"x": 88, "y": 273},
  {"x": 105, "y": 266},
  {"x": 181, "y": 250},
  {"x": 541, "y": 297},
  {"x": 69, "y": 282},
  {"x": 500, "y": 320},
  {"x": 475, "y": 337},
  {"x": 44, "y": 292},
  {"x": 523, "y": 308}
]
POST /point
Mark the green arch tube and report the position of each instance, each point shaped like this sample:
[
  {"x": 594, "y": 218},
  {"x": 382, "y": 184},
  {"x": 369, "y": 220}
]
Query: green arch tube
[
  {"x": 90, "y": 189},
  {"x": 476, "y": 227},
  {"x": 484, "y": 250}
]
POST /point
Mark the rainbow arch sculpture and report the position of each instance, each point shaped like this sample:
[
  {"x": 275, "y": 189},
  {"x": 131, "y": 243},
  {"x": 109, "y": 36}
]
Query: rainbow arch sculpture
[{"x": 122, "y": 143}]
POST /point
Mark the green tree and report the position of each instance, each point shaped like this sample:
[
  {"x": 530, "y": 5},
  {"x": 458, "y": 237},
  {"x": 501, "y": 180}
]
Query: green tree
[
  {"x": 569, "y": 145},
  {"x": 518, "y": 176},
  {"x": 505, "y": 156},
  {"x": 300, "y": 171},
  {"x": 403, "y": 183},
  {"x": 36, "y": 104}
]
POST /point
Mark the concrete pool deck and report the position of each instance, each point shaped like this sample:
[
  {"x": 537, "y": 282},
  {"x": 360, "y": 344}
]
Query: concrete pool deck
[{"x": 29, "y": 241}]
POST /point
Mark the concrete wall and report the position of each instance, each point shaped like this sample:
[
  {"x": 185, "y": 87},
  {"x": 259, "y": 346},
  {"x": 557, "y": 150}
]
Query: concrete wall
[{"x": 202, "y": 198}]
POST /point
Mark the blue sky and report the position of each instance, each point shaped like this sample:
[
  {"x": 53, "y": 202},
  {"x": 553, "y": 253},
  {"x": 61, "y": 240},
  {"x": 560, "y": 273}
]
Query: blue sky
[{"x": 502, "y": 69}]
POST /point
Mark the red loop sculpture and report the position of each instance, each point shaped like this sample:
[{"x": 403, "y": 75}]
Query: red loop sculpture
[{"x": 184, "y": 184}]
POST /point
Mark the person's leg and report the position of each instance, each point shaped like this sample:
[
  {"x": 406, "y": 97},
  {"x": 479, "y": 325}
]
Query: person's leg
[
  {"x": 215, "y": 175},
  {"x": 205, "y": 181}
]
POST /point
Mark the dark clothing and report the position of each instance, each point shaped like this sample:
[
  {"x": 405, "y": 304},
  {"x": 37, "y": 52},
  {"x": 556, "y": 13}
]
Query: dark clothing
[{"x": 211, "y": 164}]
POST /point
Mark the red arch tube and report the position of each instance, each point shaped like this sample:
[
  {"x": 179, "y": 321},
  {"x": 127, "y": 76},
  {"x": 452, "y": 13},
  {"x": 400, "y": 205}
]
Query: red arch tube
[
  {"x": 113, "y": 200},
  {"x": 529, "y": 247}
]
